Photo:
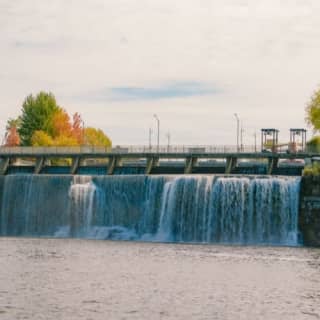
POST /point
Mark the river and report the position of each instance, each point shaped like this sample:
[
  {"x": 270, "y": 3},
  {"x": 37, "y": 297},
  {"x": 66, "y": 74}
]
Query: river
[{"x": 43, "y": 278}]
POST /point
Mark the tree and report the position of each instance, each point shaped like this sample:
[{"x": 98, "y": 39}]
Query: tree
[
  {"x": 313, "y": 111},
  {"x": 37, "y": 114},
  {"x": 65, "y": 141},
  {"x": 12, "y": 138},
  {"x": 77, "y": 128},
  {"x": 44, "y": 123},
  {"x": 96, "y": 137},
  {"x": 61, "y": 125},
  {"x": 41, "y": 139}
]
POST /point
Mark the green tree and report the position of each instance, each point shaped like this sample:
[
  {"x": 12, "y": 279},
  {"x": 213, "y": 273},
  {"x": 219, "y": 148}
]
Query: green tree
[
  {"x": 13, "y": 122},
  {"x": 37, "y": 115},
  {"x": 313, "y": 111},
  {"x": 314, "y": 144}
]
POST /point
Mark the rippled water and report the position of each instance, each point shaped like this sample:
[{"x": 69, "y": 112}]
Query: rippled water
[{"x": 90, "y": 279}]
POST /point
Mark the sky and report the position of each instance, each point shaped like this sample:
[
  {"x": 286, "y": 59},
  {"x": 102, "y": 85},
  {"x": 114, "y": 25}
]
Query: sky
[{"x": 193, "y": 63}]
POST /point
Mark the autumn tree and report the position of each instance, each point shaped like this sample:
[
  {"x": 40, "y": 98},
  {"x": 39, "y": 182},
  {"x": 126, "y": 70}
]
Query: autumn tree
[
  {"x": 77, "y": 128},
  {"x": 96, "y": 137},
  {"x": 313, "y": 111},
  {"x": 12, "y": 138},
  {"x": 61, "y": 125},
  {"x": 41, "y": 138},
  {"x": 37, "y": 114},
  {"x": 44, "y": 123}
]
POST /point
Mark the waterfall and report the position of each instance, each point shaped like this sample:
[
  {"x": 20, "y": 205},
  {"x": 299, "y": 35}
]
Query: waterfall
[
  {"x": 195, "y": 208},
  {"x": 81, "y": 194}
]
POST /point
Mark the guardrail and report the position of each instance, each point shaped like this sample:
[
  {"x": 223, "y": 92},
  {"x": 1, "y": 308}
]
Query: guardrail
[
  {"x": 183, "y": 149},
  {"x": 123, "y": 149}
]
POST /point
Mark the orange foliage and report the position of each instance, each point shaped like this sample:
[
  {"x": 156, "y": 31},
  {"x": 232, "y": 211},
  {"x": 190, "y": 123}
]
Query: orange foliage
[
  {"x": 12, "y": 137},
  {"x": 77, "y": 128},
  {"x": 61, "y": 125}
]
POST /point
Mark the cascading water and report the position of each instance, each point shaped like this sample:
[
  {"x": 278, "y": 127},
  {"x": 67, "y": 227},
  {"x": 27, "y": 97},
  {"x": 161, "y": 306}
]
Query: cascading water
[
  {"x": 236, "y": 210},
  {"x": 81, "y": 194},
  {"x": 210, "y": 209}
]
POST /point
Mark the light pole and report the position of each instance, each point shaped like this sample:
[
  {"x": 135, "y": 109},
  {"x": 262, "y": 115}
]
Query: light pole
[
  {"x": 168, "y": 137},
  {"x": 158, "y": 127},
  {"x": 238, "y": 121},
  {"x": 241, "y": 136},
  {"x": 150, "y": 134}
]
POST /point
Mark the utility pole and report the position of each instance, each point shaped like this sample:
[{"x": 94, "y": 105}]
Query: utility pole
[{"x": 255, "y": 141}]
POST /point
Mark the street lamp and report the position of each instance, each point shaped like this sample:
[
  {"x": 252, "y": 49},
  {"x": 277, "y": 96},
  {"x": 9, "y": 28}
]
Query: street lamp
[
  {"x": 241, "y": 136},
  {"x": 168, "y": 137},
  {"x": 238, "y": 121},
  {"x": 158, "y": 127},
  {"x": 150, "y": 134}
]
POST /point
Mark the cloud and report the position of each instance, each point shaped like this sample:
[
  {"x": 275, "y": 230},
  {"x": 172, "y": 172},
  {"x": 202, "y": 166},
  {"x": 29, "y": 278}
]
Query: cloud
[{"x": 166, "y": 91}]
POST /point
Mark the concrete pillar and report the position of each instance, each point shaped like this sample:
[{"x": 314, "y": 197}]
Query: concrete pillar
[
  {"x": 190, "y": 163},
  {"x": 151, "y": 162},
  {"x": 114, "y": 161},
  {"x": 231, "y": 164},
  {"x": 4, "y": 165},
  {"x": 75, "y": 165},
  {"x": 39, "y": 165},
  {"x": 272, "y": 164}
]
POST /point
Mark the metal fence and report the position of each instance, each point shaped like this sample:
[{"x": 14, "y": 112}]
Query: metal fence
[
  {"x": 179, "y": 149},
  {"x": 140, "y": 149}
]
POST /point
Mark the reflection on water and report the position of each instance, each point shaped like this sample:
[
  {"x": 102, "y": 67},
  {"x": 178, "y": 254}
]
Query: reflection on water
[{"x": 83, "y": 279}]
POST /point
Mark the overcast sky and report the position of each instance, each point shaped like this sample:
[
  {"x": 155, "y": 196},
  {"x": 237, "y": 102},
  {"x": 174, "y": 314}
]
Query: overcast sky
[{"x": 194, "y": 63}]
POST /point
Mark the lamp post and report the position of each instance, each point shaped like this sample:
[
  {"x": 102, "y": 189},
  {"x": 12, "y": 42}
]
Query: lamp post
[
  {"x": 238, "y": 126},
  {"x": 168, "y": 137},
  {"x": 241, "y": 136},
  {"x": 150, "y": 134},
  {"x": 158, "y": 129}
]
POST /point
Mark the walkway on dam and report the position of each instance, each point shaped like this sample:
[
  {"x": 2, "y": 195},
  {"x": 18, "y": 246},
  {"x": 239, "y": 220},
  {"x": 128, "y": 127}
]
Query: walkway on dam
[{"x": 149, "y": 156}]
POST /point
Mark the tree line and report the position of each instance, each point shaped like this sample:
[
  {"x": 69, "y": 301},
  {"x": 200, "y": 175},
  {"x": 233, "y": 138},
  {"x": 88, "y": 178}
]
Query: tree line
[{"x": 43, "y": 122}]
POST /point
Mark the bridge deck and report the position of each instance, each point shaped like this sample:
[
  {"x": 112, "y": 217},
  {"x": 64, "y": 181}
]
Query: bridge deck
[{"x": 144, "y": 152}]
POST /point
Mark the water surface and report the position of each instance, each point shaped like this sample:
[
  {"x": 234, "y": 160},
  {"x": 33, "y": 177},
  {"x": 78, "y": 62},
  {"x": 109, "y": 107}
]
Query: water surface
[{"x": 91, "y": 279}]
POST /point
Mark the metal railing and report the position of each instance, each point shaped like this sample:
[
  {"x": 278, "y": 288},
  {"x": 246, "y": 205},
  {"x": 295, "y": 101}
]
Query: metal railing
[
  {"x": 179, "y": 149},
  {"x": 140, "y": 149}
]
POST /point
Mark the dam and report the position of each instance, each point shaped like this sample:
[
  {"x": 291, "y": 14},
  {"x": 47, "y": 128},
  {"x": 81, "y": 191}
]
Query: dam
[{"x": 185, "y": 194}]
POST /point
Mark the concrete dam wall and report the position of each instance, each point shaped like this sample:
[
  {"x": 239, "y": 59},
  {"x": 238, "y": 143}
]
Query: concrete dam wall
[{"x": 309, "y": 211}]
